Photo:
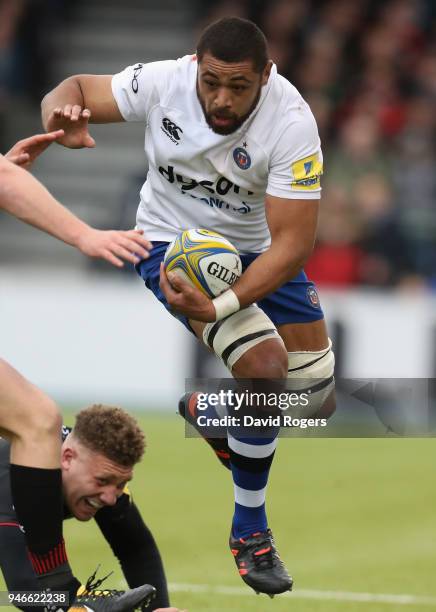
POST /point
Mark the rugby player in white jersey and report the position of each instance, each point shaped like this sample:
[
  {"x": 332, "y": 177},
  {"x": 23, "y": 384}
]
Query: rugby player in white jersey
[
  {"x": 29, "y": 419},
  {"x": 232, "y": 147}
]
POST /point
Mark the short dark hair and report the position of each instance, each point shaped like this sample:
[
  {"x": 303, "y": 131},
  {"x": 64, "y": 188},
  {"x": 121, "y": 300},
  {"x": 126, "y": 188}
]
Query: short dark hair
[
  {"x": 112, "y": 432},
  {"x": 233, "y": 39}
]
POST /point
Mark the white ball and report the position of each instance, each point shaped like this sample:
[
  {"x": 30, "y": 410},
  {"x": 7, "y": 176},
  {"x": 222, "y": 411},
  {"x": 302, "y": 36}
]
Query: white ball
[{"x": 205, "y": 260}]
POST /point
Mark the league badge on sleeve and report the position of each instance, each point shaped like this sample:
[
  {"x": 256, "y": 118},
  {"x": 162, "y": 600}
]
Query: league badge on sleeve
[
  {"x": 242, "y": 158},
  {"x": 306, "y": 173}
]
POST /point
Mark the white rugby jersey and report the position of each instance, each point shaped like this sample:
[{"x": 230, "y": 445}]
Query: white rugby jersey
[{"x": 200, "y": 179}]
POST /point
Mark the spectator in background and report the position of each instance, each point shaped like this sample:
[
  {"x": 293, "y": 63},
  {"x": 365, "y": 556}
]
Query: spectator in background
[
  {"x": 386, "y": 257},
  {"x": 414, "y": 181},
  {"x": 358, "y": 152},
  {"x": 281, "y": 21},
  {"x": 336, "y": 259}
]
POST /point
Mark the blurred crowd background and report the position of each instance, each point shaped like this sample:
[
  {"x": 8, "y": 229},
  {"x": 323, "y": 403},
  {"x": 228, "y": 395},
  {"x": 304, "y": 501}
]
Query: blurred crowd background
[{"x": 367, "y": 69}]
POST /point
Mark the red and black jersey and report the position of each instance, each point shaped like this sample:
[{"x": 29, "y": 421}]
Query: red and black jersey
[{"x": 122, "y": 526}]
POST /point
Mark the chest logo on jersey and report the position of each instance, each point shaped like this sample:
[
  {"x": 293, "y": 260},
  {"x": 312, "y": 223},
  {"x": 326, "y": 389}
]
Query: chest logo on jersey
[
  {"x": 170, "y": 129},
  {"x": 221, "y": 187},
  {"x": 242, "y": 158}
]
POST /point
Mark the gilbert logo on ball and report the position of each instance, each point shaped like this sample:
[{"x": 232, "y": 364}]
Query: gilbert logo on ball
[{"x": 204, "y": 259}]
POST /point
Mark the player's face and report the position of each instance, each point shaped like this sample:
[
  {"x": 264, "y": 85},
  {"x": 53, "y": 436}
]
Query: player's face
[
  {"x": 90, "y": 480},
  {"x": 228, "y": 93}
]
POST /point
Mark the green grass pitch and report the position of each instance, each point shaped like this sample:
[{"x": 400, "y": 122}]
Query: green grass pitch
[{"x": 349, "y": 515}]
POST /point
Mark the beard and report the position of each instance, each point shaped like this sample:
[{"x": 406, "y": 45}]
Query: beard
[{"x": 233, "y": 121}]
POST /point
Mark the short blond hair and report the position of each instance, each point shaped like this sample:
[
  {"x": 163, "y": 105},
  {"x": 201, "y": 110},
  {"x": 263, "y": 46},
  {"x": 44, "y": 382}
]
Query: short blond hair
[{"x": 112, "y": 432}]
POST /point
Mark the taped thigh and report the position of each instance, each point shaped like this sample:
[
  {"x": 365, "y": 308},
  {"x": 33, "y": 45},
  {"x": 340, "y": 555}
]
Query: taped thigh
[{"x": 230, "y": 338}]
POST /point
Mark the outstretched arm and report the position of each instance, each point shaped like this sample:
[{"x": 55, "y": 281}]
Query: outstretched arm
[
  {"x": 24, "y": 197},
  {"x": 134, "y": 546},
  {"x": 77, "y": 101}
]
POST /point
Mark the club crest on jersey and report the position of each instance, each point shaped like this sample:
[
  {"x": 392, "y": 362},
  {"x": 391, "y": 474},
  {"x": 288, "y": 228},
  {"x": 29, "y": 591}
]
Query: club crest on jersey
[
  {"x": 312, "y": 296},
  {"x": 242, "y": 159},
  {"x": 170, "y": 129}
]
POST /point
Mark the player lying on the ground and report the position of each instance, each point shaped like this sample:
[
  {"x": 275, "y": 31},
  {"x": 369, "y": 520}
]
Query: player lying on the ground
[
  {"x": 232, "y": 147},
  {"x": 28, "y": 418},
  {"x": 97, "y": 458}
]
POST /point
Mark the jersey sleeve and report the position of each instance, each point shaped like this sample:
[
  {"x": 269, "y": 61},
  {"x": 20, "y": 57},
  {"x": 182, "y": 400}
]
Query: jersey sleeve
[
  {"x": 140, "y": 87},
  {"x": 296, "y": 163}
]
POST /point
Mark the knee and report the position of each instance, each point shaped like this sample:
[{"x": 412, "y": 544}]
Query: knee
[
  {"x": 269, "y": 359},
  {"x": 49, "y": 417},
  {"x": 45, "y": 418},
  {"x": 27, "y": 413}
]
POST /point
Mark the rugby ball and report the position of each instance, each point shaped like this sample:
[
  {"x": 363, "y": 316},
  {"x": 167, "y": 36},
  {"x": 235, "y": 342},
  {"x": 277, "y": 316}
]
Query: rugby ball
[{"x": 205, "y": 260}]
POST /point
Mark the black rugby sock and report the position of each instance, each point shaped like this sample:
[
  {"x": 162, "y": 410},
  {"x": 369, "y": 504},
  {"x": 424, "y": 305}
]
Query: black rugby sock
[{"x": 37, "y": 497}]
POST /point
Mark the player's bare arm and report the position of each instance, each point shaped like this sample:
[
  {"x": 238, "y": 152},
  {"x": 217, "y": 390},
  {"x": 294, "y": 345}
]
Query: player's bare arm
[
  {"x": 76, "y": 102},
  {"x": 22, "y": 196},
  {"x": 292, "y": 225},
  {"x": 25, "y": 151}
]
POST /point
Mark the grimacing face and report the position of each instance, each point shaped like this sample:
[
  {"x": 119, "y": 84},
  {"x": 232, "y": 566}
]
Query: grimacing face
[
  {"x": 90, "y": 480},
  {"x": 228, "y": 92}
]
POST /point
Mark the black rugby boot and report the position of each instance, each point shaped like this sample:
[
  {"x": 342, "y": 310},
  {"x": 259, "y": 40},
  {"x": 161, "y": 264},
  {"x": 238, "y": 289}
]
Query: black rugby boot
[
  {"x": 259, "y": 563},
  {"x": 92, "y": 599}
]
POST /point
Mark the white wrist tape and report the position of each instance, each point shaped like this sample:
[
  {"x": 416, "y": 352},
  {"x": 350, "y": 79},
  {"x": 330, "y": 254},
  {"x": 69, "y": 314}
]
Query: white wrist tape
[{"x": 225, "y": 304}]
